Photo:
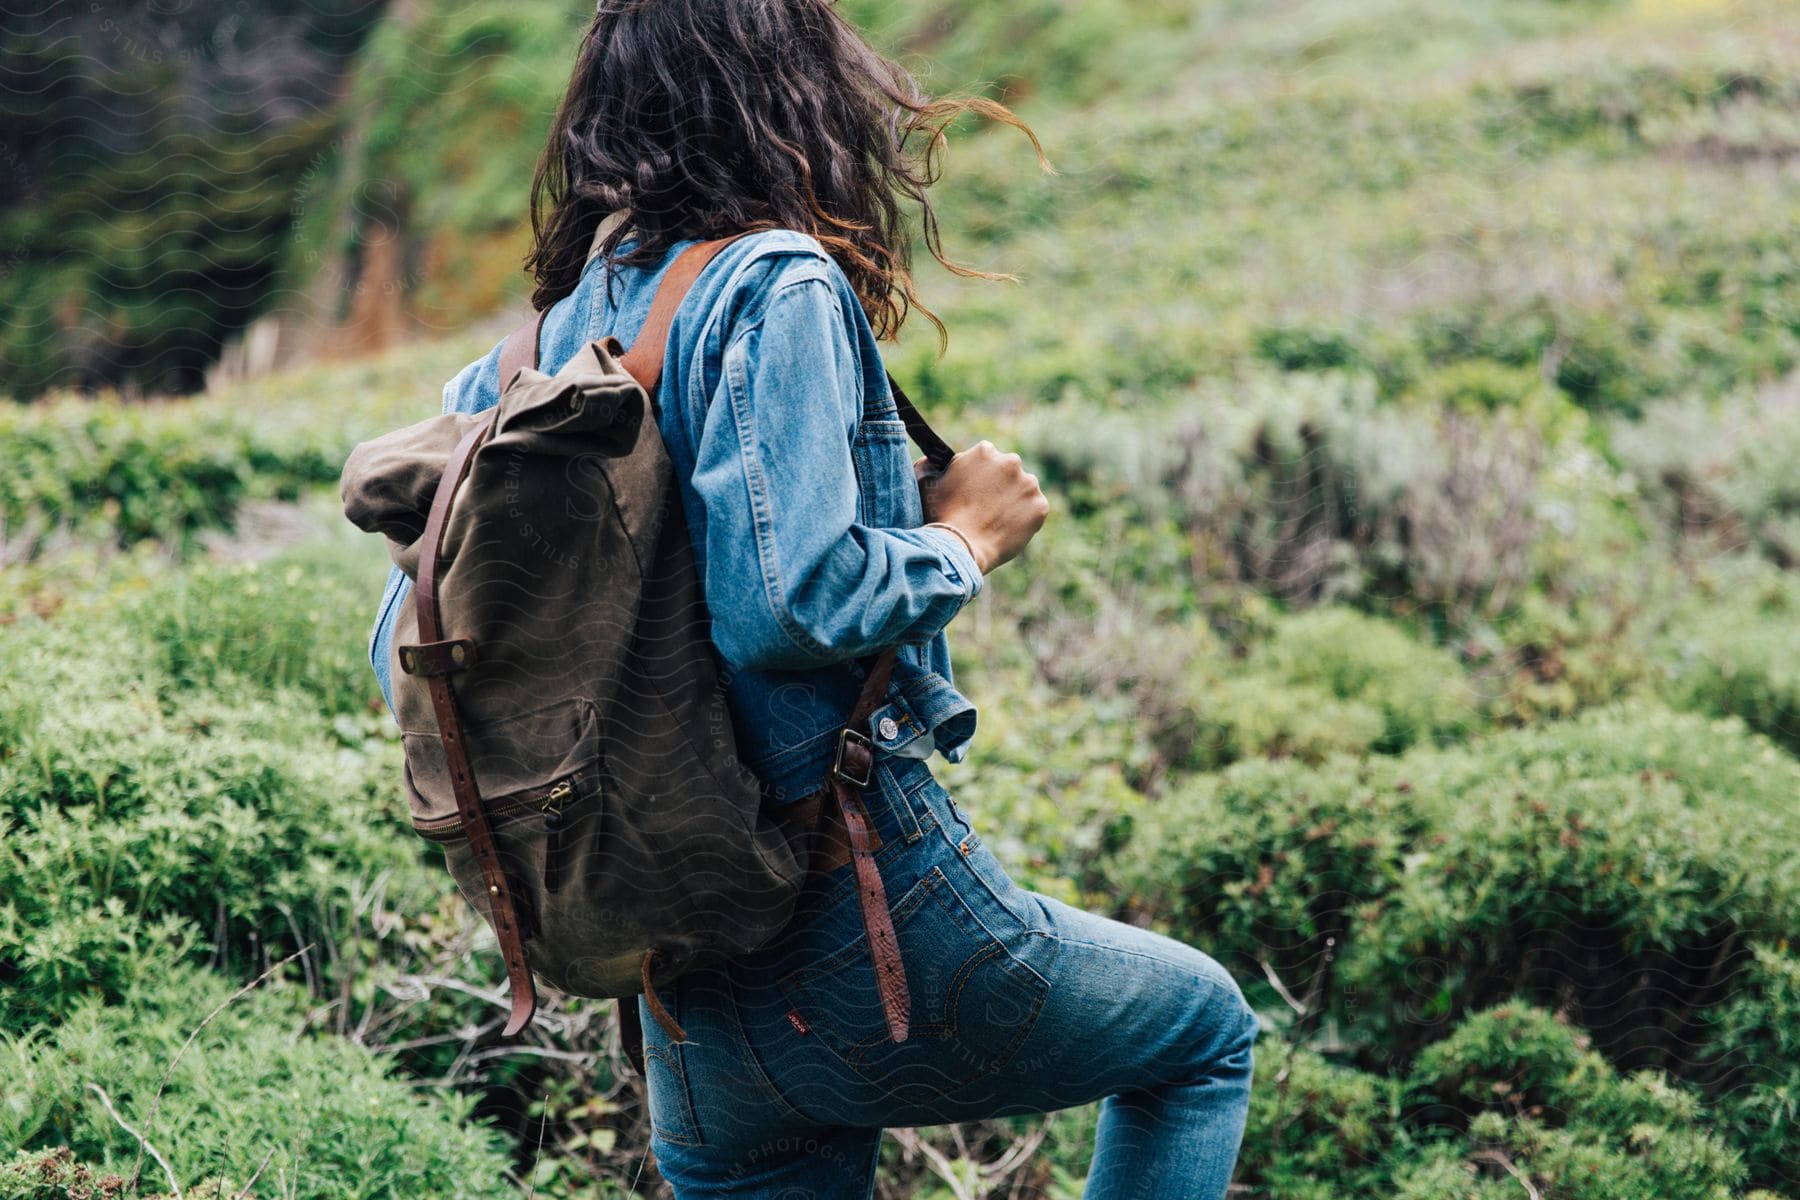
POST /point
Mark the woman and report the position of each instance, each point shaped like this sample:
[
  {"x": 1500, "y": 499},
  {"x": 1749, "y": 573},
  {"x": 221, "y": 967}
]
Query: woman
[{"x": 699, "y": 119}]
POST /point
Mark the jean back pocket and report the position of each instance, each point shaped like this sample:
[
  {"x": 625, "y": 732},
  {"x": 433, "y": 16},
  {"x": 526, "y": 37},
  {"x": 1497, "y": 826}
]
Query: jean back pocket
[{"x": 973, "y": 1002}]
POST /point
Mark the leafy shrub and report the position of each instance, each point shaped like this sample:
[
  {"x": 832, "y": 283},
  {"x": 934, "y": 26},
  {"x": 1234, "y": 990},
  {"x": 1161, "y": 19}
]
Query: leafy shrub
[
  {"x": 230, "y": 819},
  {"x": 1512, "y": 1098},
  {"x": 1548, "y": 1108},
  {"x": 1295, "y": 348},
  {"x": 55, "y": 1175},
  {"x": 1317, "y": 1130},
  {"x": 1749, "y": 1062},
  {"x": 125, "y": 473},
  {"x": 1195, "y": 702},
  {"x": 1619, "y": 866},
  {"x": 1268, "y": 862},
  {"x": 1421, "y": 692},
  {"x": 301, "y": 621},
  {"x": 106, "y": 471},
  {"x": 1735, "y": 649},
  {"x": 1306, "y": 488},
  {"x": 1721, "y": 474},
  {"x": 1617, "y": 889},
  {"x": 150, "y": 807},
  {"x": 328, "y": 1116},
  {"x": 1229, "y": 719}
]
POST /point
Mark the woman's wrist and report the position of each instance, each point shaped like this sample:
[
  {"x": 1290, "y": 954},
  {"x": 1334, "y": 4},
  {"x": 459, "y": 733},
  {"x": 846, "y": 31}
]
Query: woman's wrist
[{"x": 965, "y": 539}]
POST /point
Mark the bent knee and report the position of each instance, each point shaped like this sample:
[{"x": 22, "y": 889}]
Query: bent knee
[{"x": 1228, "y": 1027}]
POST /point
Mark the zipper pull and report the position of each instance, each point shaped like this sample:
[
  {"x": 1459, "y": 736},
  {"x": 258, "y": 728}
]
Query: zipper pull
[{"x": 555, "y": 797}]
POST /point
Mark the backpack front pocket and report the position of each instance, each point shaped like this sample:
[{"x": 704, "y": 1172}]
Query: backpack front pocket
[{"x": 534, "y": 828}]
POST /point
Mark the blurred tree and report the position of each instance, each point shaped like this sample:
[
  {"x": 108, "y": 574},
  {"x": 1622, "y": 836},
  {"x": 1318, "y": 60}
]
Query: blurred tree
[{"x": 152, "y": 150}]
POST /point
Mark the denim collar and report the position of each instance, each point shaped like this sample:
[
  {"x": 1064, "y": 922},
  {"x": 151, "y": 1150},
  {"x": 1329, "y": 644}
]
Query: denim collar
[{"x": 613, "y": 221}]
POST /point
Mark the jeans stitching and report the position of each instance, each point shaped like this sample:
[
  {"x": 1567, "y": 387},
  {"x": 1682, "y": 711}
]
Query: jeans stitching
[
  {"x": 936, "y": 884},
  {"x": 975, "y": 843},
  {"x": 684, "y": 1102},
  {"x": 743, "y": 1038},
  {"x": 802, "y": 977}
]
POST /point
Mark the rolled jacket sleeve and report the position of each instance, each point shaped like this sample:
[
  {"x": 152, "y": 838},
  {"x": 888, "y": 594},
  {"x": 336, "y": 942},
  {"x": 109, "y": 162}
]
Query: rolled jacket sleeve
[{"x": 791, "y": 578}]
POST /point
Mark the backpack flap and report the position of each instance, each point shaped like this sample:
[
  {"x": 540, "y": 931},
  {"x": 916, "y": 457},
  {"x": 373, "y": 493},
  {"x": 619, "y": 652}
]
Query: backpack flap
[
  {"x": 591, "y": 402},
  {"x": 388, "y": 482}
]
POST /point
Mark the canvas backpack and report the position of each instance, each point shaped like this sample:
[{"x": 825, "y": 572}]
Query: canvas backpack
[{"x": 566, "y": 739}]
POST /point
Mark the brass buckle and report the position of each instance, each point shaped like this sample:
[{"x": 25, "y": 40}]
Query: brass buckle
[{"x": 846, "y": 736}]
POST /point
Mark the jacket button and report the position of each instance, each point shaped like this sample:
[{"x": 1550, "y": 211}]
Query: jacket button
[{"x": 887, "y": 729}]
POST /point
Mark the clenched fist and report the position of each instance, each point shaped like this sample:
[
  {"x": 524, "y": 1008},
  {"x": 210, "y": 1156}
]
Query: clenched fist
[{"x": 990, "y": 497}]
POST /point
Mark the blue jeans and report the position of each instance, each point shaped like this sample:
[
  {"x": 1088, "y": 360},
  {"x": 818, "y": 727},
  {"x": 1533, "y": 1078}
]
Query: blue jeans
[{"x": 1020, "y": 1004}]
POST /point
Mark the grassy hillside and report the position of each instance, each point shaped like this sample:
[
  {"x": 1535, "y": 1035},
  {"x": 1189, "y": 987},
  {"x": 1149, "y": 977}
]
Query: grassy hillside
[{"x": 1417, "y": 627}]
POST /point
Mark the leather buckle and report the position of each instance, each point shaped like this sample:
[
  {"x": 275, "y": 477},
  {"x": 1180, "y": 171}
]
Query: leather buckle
[{"x": 847, "y": 737}]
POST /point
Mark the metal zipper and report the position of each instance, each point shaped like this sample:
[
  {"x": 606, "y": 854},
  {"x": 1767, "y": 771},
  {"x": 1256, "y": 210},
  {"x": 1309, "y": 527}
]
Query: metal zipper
[{"x": 545, "y": 798}]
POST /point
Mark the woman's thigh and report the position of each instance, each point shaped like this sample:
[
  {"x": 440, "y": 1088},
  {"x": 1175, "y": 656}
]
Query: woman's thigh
[
  {"x": 1019, "y": 1004},
  {"x": 975, "y": 962}
]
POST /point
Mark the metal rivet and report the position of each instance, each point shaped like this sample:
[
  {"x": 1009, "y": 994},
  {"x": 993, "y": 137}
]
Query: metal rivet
[
  {"x": 888, "y": 730},
  {"x": 457, "y": 654},
  {"x": 494, "y": 889}
]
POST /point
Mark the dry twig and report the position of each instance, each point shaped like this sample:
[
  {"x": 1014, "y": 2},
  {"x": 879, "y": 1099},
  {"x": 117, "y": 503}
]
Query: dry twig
[{"x": 142, "y": 1141}]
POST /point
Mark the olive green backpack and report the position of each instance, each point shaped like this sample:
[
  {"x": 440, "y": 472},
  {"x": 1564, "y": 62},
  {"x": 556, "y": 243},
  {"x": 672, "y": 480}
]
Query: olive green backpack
[{"x": 566, "y": 738}]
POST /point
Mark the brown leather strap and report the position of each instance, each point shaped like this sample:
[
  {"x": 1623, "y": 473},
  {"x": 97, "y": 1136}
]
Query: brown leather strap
[
  {"x": 645, "y": 358},
  {"x": 858, "y": 756},
  {"x": 520, "y": 350},
  {"x": 814, "y": 829},
  {"x": 504, "y": 908}
]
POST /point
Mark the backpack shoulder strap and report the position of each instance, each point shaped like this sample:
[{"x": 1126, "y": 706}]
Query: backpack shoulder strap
[
  {"x": 520, "y": 350},
  {"x": 645, "y": 358}
]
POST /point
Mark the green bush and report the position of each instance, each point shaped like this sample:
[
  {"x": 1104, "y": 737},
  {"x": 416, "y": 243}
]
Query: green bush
[
  {"x": 242, "y": 805},
  {"x": 1511, "y": 1099},
  {"x": 329, "y": 1117},
  {"x": 1720, "y": 474},
  {"x": 1735, "y": 650},
  {"x": 1536, "y": 1098},
  {"x": 1749, "y": 1062},
  {"x": 1301, "y": 349},
  {"x": 122, "y": 473},
  {"x": 301, "y": 621},
  {"x": 1421, "y": 692},
  {"x": 1308, "y": 488},
  {"x": 1317, "y": 1130},
  {"x": 100, "y": 470},
  {"x": 1618, "y": 866},
  {"x": 1232, "y": 718}
]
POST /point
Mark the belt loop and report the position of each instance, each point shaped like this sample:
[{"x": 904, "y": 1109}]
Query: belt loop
[{"x": 893, "y": 774}]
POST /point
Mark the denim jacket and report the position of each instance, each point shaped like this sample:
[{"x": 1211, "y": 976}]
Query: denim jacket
[{"x": 797, "y": 486}]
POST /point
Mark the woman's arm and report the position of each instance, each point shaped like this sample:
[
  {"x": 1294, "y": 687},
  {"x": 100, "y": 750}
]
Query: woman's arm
[{"x": 791, "y": 578}]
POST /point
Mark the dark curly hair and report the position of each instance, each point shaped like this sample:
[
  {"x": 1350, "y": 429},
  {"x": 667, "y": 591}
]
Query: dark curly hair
[{"x": 707, "y": 118}]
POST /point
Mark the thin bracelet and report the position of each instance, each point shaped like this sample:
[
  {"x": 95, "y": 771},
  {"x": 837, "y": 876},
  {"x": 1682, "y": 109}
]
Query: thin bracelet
[{"x": 961, "y": 536}]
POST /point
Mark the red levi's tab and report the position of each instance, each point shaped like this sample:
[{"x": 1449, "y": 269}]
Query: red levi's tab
[{"x": 798, "y": 1021}]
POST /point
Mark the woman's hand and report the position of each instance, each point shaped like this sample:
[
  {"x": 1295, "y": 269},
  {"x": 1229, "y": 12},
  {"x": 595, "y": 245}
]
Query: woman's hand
[{"x": 990, "y": 497}]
